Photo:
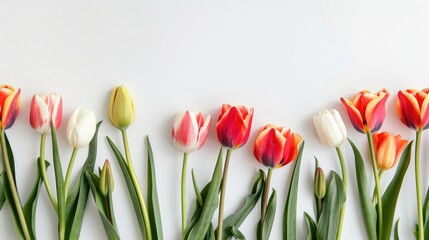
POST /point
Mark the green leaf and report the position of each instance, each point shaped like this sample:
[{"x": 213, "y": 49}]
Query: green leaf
[
  {"x": 289, "y": 215},
  {"x": 327, "y": 227},
  {"x": 197, "y": 190},
  {"x": 425, "y": 216},
  {"x": 202, "y": 225},
  {"x": 210, "y": 233},
  {"x": 103, "y": 210},
  {"x": 2, "y": 194},
  {"x": 236, "y": 234},
  {"x": 267, "y": 225},
  {"x": 312, "y": 227},
  {"x": 368, "y": 209},
  {"x": 396, "y": 235},
  {"x": 131, "y": 190},
  {"x": 76, "y": 202},
  {"x": 235, "y": 220},
  {"x": 152, "y": 196},
  {"x": 390, "y": 196}
]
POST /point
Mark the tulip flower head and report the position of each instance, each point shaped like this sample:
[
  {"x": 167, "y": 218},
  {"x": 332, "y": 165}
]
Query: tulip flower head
[
  {"x": 330, "y": 127},
  {"x": 190, "y": 130},
  {"x": 9, "y": 105},
  {"x": 412, "y": 108},
  {"x": 81, "y": 127},
  {"x": 121, "y": 108},
  {"x": 106, "y": 183},
  {"x": 367, "y": 111},
  {"x": 276, "y": 146},
  {"x": 319, "y": 183},
  {"x": 46, "y": 108},
  {"x": 388, "y": 148},
  {"x": 233, "y": 126}
]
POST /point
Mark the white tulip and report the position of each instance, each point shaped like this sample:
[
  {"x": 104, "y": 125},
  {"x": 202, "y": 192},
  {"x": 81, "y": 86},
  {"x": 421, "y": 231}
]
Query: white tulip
[
  {"x": 330, "y": 127},
  {"x": 81, "y": 127}
]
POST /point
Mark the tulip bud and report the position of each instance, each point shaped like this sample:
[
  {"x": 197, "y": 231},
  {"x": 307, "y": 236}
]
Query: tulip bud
[
  {"x": 81, "y": 127},
  {"x": 121, "y": 108},
  {"x": 46, "y": 108},
  {"x": 106, "y": 183},
  {"x": 330, "y": 127},
  {"x": 387, "y": 149},
  {"x": 10, "y": 105},
  {"x": 190, "y": 131},
  {"x": 319, "y": 183}
]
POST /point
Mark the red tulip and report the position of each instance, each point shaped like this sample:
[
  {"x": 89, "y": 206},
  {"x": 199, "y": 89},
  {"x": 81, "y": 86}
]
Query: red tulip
[
  {"x": 387, "y": 149},
  {"x": 9, "y": 105},
  {"x": 190, "y": 131},
  {"x": 276, "y": 146},
  {"x": 46, "y": 108},
  {"x": 233, "y": 126},
  {"x": 412, "y": 107},
  {"x": 367, "y": 111}
]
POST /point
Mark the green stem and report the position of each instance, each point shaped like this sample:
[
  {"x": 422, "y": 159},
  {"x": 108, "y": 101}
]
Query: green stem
[
  {"x": 319, "y": 208},
  {"x": 10, "y": 178},
  {"x": 69, "y": 170},
  {"x": 377, "y": 186},
  {"x": 345, "y": 181},
  {"x": 222, "y": 194},
  {"x": 374, "y": 194},
  {"x": 265, "y": 198},
  {"x": 137, "y": 186},
  {"x": 42, "y": 166},
  {"x": 185, "y": 163},
  {"x": 419, "y": 194}
]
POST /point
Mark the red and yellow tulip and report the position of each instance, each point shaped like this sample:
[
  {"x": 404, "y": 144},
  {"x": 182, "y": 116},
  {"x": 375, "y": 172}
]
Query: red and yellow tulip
[
  {"x": 46, "y": 108},
  {"x": 367, "y": 111},
  {"x": 388, "y": 149},
  {"x": 412, "y": 107},
  {"x": 233, "y": 126},
  {"x": 9, "y": 105}
]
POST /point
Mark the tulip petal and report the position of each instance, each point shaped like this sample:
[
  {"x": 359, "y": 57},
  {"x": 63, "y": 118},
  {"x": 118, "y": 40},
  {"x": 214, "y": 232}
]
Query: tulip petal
[
  {"x": 185, "y": 131},
  {"x": 408, "y": 110},
  {"x": 269, "y": 147},
  {"x": 232, "y": 129},
  {"x": 354, "y": 115},
  {"x": 424, "y": 112},
  {"x": 11, "y": 107},
  {"x": 376, "y": 112},
  {"x": 291, "y": 148},
  {"x": 204, "y": 132}
]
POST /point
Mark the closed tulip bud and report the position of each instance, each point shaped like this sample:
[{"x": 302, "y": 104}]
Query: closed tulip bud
[
  {"x": 233, "y": 126},
  {"x": 367, "y": 111},
  {"x": 330, "y": 127},
  {"x": 387, "y": 149},
  {"x": 276, "y": 146},
  {"x": 46, "y": 108},
  {"x": 106, "y": 183},
  {"x": 81, "y": 127},
  {"x": 412, "y": 107},
  {"x": 121, "y": 108},
  {"x": 319, "y": 183},
  {"x": 190, "y": 131},
  {"x": 10, "y": 105}
]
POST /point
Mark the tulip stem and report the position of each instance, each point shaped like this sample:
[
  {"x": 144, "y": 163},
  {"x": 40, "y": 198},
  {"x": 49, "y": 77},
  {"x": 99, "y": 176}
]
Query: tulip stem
[
  {"x": 185, "y": 163},
  {"x": 69, "y": 170},
  {"x": 344, "y": 174},
  {"x": 42, "y": 166},
  {"x": 11, "y": 180},
  {"x": 374, "y": 194},
  {"x": 137, "y": 187},
  {"x": 265, "y": 198},
  {"x": 377, "y": 186},
  {"x": 419, "y": 194},
  {"x": 222, "y": 194}
]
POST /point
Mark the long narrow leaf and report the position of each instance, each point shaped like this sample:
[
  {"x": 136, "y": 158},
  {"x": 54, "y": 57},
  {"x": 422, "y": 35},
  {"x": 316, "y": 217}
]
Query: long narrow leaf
[
  {"x": 390, "y": 196},
  {"x": 368, "y": 210},
  {"x": 312, "y": 227},
  {"x": 152, "y": 196},
  {"x": 267, "y": 225},
  {"x": 2, "y": 194},
  {"x": 396, "y": 235},
  {"x": 289, "y": 215}
]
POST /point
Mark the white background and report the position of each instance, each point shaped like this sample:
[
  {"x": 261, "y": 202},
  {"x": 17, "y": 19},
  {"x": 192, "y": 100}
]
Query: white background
[{"x": 288, "y": 59}]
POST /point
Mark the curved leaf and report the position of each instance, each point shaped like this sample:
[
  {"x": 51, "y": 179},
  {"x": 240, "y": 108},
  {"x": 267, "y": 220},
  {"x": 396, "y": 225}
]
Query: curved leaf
[
  {"x": 267, "y": 225},
  {"x": 312, "y": 227},
  {"x": 2, "y": 194},
  {"x": 396, "y": 236}
]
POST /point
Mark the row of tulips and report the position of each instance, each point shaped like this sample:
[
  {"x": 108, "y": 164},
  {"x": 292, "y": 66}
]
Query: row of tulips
[{"x": 274, "y": 147}]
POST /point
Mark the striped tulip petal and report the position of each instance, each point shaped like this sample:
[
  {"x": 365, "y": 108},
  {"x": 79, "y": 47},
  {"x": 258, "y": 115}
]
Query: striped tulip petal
[{"x": 190, "y": 131}]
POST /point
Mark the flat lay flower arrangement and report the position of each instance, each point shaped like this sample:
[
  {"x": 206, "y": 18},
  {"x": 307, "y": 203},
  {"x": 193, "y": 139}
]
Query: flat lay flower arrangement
[{"x": 275, "y": 146}]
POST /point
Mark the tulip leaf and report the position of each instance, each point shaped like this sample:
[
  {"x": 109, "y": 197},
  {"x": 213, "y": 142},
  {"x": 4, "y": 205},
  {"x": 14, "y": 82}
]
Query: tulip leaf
[
  {"x": 267, "y": 225},
  {"x": 2, "y": 194},
  {"x": 106, "y": 212},
  {"x": 426, "y": 216},
  {"x": 289, "y": 215},
  {"x": 152, "y": 196},
  {"x": 202, "y": 225},
  {"x": 76, "y": 202},
  {"x": 236, "y": 233},
  {"x": 390, "y": 196},
  {"x": 312, "y": 227},
  {"x": 131, "y": 189},
  {"x": 196, "y": 189},
  {"x": 210, "y": 233},
  {"x": 396, "y": 235},
  {"x": 368, "y": 209},
  {"x": 235, "y": 220}
]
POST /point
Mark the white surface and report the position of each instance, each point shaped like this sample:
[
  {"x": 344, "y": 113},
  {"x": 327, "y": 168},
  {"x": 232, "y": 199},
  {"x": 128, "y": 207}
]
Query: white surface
[{"x": 287, "y": 59}]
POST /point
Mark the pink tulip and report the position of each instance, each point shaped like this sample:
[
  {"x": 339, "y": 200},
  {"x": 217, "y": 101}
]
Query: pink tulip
[
  {"x": 190, "y": 131},
  {"x": 46, "y": 108}
]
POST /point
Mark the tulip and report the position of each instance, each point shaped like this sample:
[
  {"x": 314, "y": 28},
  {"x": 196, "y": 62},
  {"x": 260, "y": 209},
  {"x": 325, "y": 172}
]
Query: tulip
[
  {"x": 319, "y": 183},
  {"x": 233, "y": 126},
  {"x": 412, "y": 107},
  {"x": 367, "y": 111},
  {"x": 81, "y": 127},
  {"x": 121, "y": 108},
  {"x": 9, "y": 105},
  {"x": 106, "y": 183},
  {"x": 388, "y": 149},
  {"x": 330, "y": 127},
  {"x": 46, "y": 108},
  {"x": 190, "y": 131},
  {"x": 276, "y": 146}
]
